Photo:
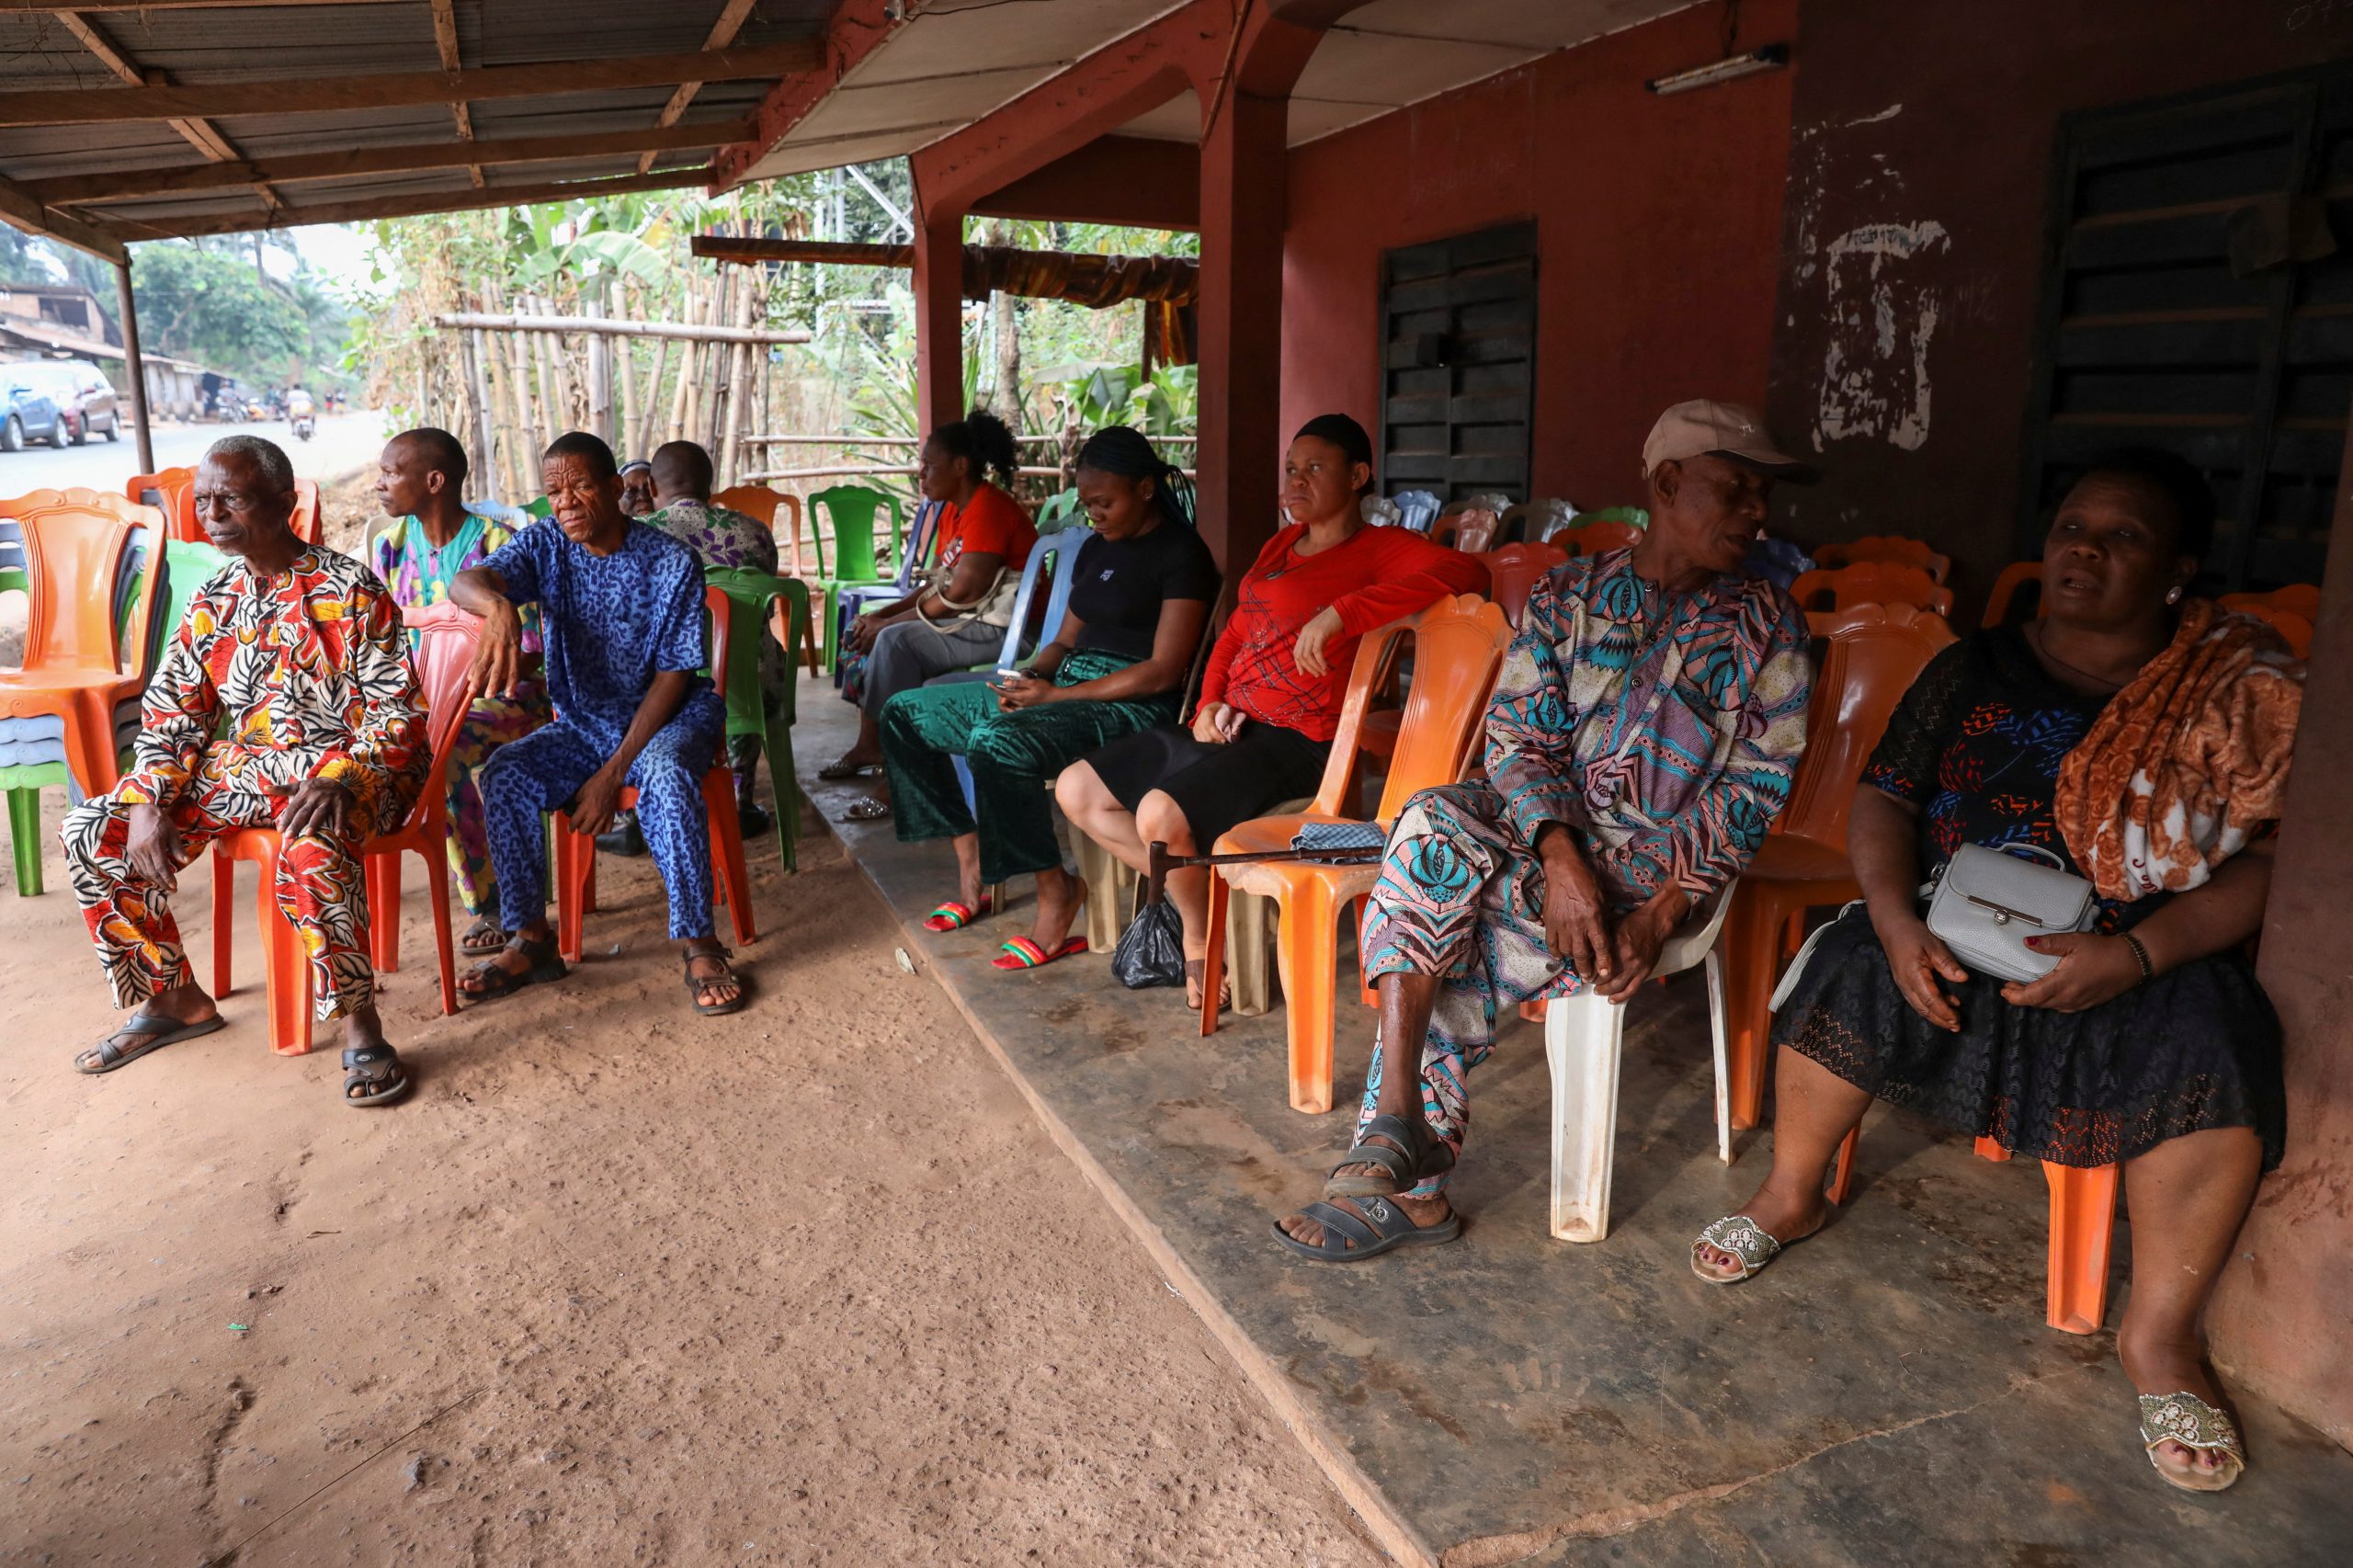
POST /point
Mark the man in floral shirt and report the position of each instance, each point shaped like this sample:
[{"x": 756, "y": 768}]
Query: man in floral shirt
[{"x": 283, "y": 701}]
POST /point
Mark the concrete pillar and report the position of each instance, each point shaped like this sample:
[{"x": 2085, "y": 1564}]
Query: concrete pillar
[
  {"x": 939, "y": 315},
  {"x": 1243, "y": 173}
]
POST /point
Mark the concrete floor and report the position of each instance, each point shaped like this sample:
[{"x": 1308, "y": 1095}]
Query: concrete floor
[{"x": 1887, "y": 1394}]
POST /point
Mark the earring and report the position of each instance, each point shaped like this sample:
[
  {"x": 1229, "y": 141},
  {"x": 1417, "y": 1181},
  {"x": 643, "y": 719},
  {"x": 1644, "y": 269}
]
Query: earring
[{"x": 2173, "y": 596}]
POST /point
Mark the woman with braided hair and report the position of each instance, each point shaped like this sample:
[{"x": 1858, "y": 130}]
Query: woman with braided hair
[
  {"x": 1117, "y": 664},
  {"x": 957, "y": 615}
]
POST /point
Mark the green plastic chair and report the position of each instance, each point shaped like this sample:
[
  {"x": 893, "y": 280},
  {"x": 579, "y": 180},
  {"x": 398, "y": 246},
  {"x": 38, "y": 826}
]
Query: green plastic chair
[
  {"x": 186, "y": 567},
  {"x": 1632, "y": 517},
  {"x": 852, "y": 508},
  {"x": 752, "y": 593},
  {"x": 541, "y": 508}
]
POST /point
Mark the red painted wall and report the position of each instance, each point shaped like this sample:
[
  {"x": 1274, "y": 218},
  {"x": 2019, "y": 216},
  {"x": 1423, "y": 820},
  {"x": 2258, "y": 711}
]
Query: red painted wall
[{"x": 1657, "y": 224}]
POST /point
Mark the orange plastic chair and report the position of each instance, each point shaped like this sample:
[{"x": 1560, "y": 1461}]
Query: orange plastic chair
[
  {"x": 155, "y": 489},
  {"x": 1470, "y": 530},
  {"x": 576, "y": 856},
  {"x": 73, "y": 669},
  {"x": 756, "y": 501},
  {"x": 1874, "y": 654},
  {"x": 443, "y": 663},
  {"x": 1513, "y": 569},
  {"x": 307, "y": 522},
  {"x": 2291, "y": 610},
  {"x": 1892, "y": 549},
  {"x": 1595, "y": 538},
  {"x": 1872, "y": 583},
  {"x": 2016, "y": 575},
  {"x": 1458, "y": 646},
  {"x": 177, "y": 486}
]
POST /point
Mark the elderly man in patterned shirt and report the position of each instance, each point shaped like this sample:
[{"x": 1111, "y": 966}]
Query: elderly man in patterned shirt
[
  {"x": 284, "y": 700},
  {"x": 1642, "y": 738}
]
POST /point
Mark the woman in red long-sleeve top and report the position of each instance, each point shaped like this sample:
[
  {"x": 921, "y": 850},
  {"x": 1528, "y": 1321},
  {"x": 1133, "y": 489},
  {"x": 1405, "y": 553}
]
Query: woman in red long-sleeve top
[{"x": 1276, "y": 679}]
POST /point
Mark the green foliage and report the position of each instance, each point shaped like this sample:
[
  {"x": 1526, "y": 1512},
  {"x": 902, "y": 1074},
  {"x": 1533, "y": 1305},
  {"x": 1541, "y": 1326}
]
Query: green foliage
[{"x": 215, "y": 309}]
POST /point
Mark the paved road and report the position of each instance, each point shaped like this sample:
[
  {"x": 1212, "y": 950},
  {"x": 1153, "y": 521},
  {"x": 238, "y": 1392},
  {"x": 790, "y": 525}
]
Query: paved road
[{"x": 345, "y": 441}]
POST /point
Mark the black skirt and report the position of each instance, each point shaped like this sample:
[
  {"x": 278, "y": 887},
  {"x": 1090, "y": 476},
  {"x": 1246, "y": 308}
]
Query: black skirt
[
  {"x": 1215, "y": 786},
  {"x": 2194, "y": 1048}
]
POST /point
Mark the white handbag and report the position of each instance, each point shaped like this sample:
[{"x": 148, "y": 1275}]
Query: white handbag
[{"x": 1987, "y": 903}]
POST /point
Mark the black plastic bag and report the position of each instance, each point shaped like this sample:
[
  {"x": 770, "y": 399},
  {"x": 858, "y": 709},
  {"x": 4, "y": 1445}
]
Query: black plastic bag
[{"x": 1151, "y": 949}]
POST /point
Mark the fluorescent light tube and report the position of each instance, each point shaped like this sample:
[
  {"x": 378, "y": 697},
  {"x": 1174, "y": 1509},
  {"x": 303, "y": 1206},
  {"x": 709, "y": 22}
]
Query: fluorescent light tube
[{"x": 1772, "y": 57}]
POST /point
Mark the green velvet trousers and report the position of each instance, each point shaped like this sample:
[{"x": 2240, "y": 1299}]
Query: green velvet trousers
[{"x": 1013, "y": 758}]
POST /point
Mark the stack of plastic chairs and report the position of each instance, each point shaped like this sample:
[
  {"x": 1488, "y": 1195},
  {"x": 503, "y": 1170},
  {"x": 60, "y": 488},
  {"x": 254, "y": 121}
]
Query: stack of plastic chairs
[
  {"x": 1416, "y": 510},
  {"x": 1871, "y": 583},
  {"x": 93, "y": 570},
  {"x": 1533, "y": 522},
  {"x": 1471, "y": 529},
  {"x": 1887, "y": 550}
]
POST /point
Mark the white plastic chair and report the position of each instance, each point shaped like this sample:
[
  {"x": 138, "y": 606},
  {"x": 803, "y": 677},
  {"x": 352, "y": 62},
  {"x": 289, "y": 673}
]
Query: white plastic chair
[{"x": 1581, "y": 1039}]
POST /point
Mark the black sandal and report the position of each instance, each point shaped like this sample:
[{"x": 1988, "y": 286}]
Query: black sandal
[
  {"x": 376, "y": 1071},
  {"x": 159, "y": 1031},
  {"x": 1383, "y": 1227},
  {"x": 483, "y": 939},
  {"x": 547, "y": 964},
  {"x": 695, "y": 983},
  {"x": 1426, "y": 1157}
]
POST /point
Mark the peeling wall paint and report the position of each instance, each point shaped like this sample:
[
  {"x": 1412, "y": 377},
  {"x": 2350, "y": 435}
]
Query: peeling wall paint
[{"x": 1884, "y": 314}]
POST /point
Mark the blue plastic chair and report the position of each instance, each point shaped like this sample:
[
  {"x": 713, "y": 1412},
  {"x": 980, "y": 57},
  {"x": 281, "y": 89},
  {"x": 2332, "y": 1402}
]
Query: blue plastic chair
[
  {"x": 1062, "y": 549},
  {"x": 1416, "y": 510}
]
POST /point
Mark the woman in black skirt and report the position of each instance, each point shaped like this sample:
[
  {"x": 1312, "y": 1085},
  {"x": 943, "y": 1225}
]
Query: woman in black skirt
[{"x": 2150, "y": 1043}]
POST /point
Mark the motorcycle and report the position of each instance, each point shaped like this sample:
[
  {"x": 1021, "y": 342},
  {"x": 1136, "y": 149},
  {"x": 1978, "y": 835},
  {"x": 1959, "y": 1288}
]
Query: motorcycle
[{"x": 305, "y": 425}]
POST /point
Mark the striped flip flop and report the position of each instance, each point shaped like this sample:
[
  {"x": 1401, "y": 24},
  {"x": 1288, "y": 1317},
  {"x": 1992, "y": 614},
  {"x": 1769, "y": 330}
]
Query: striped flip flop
[
  {"x": 1023, "y": 953},
  {"x": 954, "y": 916}
]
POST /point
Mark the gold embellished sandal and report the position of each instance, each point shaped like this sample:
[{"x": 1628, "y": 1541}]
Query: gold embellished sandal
[
  {"x": 1739, "y": 1235},
  {"x": 2197, "y": 1425}
]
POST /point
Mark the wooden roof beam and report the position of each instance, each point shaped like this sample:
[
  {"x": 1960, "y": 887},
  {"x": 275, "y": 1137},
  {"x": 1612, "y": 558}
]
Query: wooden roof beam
[
  {"x": 201, "y": 134},
  {"x": 445, "y": 39},
  {"x": 407, "y": 89},
  {"x": 723, "y": 33},
  {"x": 411, "y": 206},
  {"x": 66, "y": 190},
  {"x": 29, "y": 215}
]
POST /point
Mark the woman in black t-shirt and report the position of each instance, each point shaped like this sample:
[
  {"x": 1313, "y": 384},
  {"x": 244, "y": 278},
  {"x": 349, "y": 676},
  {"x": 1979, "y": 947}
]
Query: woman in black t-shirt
[{"x": 1140, "y": 597}]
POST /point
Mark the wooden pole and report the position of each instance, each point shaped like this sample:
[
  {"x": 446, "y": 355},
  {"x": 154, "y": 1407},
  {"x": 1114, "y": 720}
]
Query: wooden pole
[
  {"x": 486, "y": 420},
  {"x": 649, "y": 407},
  {"x": 134, "y": 365},
  {"x": 613, "y": 326}
]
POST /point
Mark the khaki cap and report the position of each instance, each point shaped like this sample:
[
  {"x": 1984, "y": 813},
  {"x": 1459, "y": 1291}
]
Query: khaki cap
[{"x": 1706, "y": 427}]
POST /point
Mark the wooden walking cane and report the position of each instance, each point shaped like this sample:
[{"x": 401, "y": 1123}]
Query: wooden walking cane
[{"x": 1162, "y": 862}]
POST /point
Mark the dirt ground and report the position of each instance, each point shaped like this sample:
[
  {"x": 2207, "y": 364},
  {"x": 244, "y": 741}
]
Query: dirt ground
[{"x": 616, "y": 1285}]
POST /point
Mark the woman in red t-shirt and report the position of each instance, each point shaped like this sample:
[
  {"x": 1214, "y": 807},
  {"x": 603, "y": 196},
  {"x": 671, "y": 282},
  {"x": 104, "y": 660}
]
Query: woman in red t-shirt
[
  {"x": 1276, "y": 679},
  {"x": 957, "y": 618}
]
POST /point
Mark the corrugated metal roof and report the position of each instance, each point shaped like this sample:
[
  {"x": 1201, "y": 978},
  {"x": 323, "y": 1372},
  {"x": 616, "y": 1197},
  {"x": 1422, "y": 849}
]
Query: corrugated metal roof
[{"x": 200, "y": 47}]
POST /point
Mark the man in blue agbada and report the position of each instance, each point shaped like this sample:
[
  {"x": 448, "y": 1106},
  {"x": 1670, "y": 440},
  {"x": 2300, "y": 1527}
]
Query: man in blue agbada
[{"x": 621, "y": 624}]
